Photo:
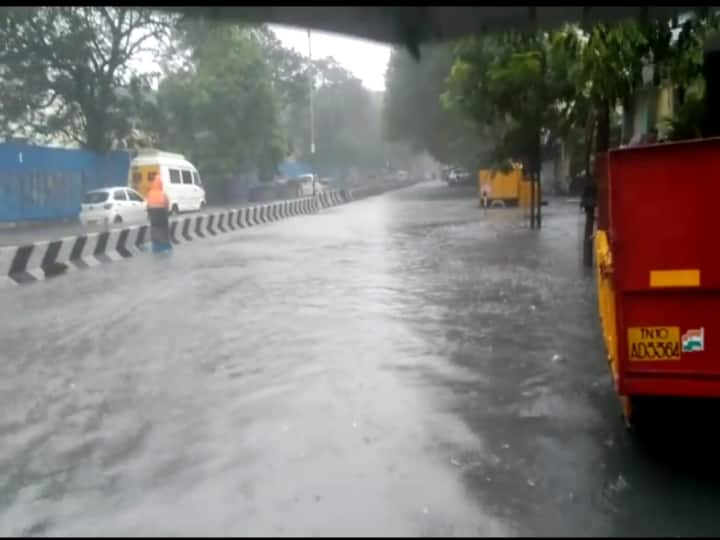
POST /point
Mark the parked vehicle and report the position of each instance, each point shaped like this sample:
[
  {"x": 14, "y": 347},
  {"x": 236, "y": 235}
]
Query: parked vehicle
[
  {"x": 657, "y": 272},
  {"x": 510, "y": 188},
  {"x": 112, "y": 205},
  {"x": 306, "y": 185},
  {"x": 459, "y": 176},
  {"x": 323, "y": 184},
  {"x": 181, "y": 180},
  {"x": 272, "y": 191}
]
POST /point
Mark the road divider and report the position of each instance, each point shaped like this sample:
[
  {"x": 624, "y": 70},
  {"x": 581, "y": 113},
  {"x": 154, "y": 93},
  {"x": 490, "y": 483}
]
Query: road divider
[
  {"x": 187, "y": 229},
  {"x": 41, "y": 260}
]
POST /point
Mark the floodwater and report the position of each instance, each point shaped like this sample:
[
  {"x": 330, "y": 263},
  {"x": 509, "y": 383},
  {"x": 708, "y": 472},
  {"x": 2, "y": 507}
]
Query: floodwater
[{"x": 403, "y": 365}]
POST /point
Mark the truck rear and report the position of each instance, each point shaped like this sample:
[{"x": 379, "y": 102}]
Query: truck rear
[
  {"x": 658, "y": 269},
  {"x": 509, "y": 188}
]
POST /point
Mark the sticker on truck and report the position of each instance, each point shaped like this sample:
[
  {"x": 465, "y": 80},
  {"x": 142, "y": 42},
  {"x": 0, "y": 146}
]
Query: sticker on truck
[{"x": 693, "y": 340}]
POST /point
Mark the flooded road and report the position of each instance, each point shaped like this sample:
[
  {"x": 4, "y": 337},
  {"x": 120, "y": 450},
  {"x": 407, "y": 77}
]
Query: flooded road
[{"x": 403, "y": 365}]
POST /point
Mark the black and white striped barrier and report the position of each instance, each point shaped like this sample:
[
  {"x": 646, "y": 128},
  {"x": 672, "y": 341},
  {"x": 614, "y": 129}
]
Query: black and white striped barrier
[
  {"x": 38, "y": 261},
  {"x": 189, "y": 228},
  {"x": 328, "y": 199},
  {"x": 34, "y": 262}
]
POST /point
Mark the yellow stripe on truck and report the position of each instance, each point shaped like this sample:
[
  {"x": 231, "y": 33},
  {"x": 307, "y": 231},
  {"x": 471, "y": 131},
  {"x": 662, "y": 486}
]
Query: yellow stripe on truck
[{"x": 675, "y": 278}]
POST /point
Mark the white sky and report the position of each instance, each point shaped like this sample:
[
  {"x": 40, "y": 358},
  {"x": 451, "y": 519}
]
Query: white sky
[{"x": 365, "y": 59}]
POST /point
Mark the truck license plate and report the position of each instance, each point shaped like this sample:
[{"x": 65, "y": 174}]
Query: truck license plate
[{"x": 653, "y": 343}]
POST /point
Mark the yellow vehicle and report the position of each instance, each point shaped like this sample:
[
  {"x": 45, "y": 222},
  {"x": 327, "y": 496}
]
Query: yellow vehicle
[{"x": 503, "y": 189}]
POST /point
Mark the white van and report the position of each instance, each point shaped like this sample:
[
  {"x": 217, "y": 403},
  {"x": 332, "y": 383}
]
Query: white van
[{"x": 181, "y": 180}]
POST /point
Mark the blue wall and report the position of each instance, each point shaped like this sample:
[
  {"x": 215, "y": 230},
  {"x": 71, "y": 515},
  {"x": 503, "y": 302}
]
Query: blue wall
[{"x": 38, "y": 182}]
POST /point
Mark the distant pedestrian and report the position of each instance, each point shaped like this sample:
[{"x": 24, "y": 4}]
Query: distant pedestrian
[
  {"x": 588, "y": 202},
  {"x": 157, "y": 207},
  {"x": 485, "y": 194}
]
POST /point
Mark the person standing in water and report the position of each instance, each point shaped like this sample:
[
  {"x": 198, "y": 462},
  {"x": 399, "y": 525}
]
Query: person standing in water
[{"x": 158, "y": 215}]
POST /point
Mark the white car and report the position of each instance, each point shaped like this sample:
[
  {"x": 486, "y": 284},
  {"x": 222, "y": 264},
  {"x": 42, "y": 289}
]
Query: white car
[
  {"x": 459, "y": 176},
  {"x": 323, "y": 184},
  {"x": 307, "y": 183},
  {"x": 112, "y": 205}
]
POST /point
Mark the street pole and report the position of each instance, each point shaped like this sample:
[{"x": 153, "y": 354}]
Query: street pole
[{"x": 312, "y": 110}]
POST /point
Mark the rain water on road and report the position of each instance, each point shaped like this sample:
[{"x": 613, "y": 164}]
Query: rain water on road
[{"x": 404, "y": 365}]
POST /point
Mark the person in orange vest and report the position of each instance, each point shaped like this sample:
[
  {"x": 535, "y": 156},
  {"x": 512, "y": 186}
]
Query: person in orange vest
[{"x": 157, "y": 208}]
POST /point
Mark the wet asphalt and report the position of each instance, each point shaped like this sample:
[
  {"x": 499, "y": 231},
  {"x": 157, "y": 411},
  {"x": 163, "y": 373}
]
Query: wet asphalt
[{"x": 403, "y": 365}]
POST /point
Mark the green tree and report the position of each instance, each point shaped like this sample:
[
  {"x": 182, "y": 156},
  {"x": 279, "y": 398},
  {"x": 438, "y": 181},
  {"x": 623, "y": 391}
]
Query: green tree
[
  {"x": 342, "y": 108},
  {"x": 235, "y": 100},
  {"x": 347, "y": 125},
  {"x": 682, "y": 66},
  {"x": 611, "y": 72},
  {"x": 413, "y": 111},
  {"x": 222, "y": 107},
  {"x": 512, "y": 84},
  {"x": 676, "y": 47},
  {"x": 65, "y": 71},
  {"x": 608, "y": 71},
  {"x": 290, "y": 79}
]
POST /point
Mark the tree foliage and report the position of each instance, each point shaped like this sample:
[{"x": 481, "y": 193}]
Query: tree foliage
[
  {"x": 413, "y": 111},
  {"x": 231, "y": 97},
  {"x": 66, "y": 71},
  {"x": 234, "y": 99},
  {"x": 569, "y": 82},
  {"x": 342, "y": 111},
  {"x": 526, "y": 91},
  {"x": 240, "y": 101},
  {"x": 222, "y": 109}
]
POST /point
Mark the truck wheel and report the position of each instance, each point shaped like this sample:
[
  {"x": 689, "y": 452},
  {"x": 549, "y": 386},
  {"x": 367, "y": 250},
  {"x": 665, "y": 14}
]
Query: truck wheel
[{"x": 117, "y": 219}]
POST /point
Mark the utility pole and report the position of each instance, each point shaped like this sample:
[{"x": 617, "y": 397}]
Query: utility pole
[
  {"x": 311, "y": 88},
  {"x": 312, "y": 110}
]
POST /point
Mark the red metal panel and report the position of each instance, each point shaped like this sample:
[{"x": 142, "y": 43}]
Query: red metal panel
[
  {"x": 663, "y": 204},
  {"x": 685, "y": 386},
  {"x": 688, "y": 310},
  {"x": 662, "y": 201}
]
